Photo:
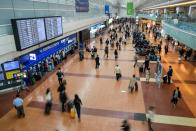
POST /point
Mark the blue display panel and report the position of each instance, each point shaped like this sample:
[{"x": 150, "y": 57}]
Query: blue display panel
[
  {"x": 28, "y": 32},
  {"x": 11, "y": 66},
  {"x": 82, "y": 5},
  {"x": 2, "y": 77},
  {"x": 53, "y": 27}
]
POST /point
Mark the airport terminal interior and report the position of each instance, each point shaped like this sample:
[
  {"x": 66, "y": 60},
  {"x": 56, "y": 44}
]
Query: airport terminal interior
[{"x": 97, "y": 65}]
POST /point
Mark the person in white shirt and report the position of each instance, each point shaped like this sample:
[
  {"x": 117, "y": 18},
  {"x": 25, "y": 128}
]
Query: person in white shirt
[
  {"x": 118, "y": 72},
  {"x": 48, "y": 102},
  {"x": 132, "y": 83},
  {"x": 148, "y": 75}
]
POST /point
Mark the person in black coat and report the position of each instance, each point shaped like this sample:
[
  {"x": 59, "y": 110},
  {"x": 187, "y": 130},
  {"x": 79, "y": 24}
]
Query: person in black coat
[
  {"x": 169, "y": 74},
  {"x": 63, "y": 99},
  {"x": 125, "y": 126},
  {"x": 146, "y": 63},
  {"x": 116, "y": 54},
  {"x": 77, "y": 103},
  {"x": 166, "y": 49},
  {"x": 97, "y": 62},
  {"x": 176, "y": 95}
]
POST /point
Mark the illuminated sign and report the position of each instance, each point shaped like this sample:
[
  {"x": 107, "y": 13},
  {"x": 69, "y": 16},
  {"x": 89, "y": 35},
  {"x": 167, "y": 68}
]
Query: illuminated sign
[
  {"x": 10, "y": 74},
  {"x": 32, "y": 56}
]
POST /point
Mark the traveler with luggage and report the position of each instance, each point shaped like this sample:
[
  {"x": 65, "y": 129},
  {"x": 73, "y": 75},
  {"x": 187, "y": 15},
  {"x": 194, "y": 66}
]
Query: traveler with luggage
[
  {"x": 176, "y": 95},
  {"x": 97, "y": 62},
  {"x": 116, "y": 54},
  {"x": 18, "y": 104},
  {"x": 77, "y": 103},
  {"x": 132, "y": 83},
  {"x": 60, "y": 76},
  {"x": 48, "y": 102},
  {"x": 118, "y": 72}
]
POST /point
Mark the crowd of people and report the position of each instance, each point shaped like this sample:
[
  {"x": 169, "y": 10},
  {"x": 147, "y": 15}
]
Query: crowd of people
[{"x": 118, "y": 36}]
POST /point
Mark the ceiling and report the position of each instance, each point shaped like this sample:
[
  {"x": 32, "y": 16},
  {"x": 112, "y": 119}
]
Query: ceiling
[{"x": 138, "y": 4}]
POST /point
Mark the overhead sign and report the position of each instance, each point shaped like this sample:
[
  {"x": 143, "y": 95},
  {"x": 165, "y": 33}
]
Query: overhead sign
[
  {"x": 82, "y": 5},
  {"x": 129, "y": 8},
  {"x": 32, "y": 56},
  {"x": 107, "y": 9}
]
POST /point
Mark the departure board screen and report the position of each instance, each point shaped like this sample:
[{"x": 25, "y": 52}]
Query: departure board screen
[
  {"x": 53, "y": 27},
  {"x": 28, "y": 32}
]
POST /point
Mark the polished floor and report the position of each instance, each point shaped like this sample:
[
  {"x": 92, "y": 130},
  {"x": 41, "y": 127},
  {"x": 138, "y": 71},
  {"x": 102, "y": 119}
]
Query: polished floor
[{"x": 107, "y": 102}]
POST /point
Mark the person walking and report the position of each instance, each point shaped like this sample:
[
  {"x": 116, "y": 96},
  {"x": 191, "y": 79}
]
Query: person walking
[
  {"x": 125, "y": 126},
  {"x": 132, "y": 83},
  {"x": 101, "y": 40},
  {"x": 166, "y": 49},
  {"x": 146, "y": 63},
  {"x": 150, "y": 117},
  {"x": 48, "y": 102},
  {"x": 169, "y": 74},
  {"x": 118, "y": 72},
  {"x": 106, "y": 51},
  {"x": 77, "y": 103},
  {"x": 60, "y": 76},
  {"x": 107, "y": 42},
  {"x": 135, "y": 59},
  {"x": 147, "y": 75},
  {"x": 97, "y": 62},
  {"x": 176, "y": 95},
  {"x": 18, "y": 104},
  {"x": 63, "y": 99},
  {"x": 116, "y": 54},
  {"x": 159, "y": 48}
]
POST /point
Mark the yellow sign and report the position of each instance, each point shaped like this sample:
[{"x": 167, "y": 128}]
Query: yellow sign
[{"x": 10, "y": 74}]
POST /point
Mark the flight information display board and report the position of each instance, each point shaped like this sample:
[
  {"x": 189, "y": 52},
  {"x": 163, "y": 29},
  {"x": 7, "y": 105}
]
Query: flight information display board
[
  {"x": 28, "y": 32},
  {"x": 53, "y": 27}
]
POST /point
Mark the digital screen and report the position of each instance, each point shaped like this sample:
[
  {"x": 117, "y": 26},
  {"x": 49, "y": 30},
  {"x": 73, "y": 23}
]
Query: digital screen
[
  {"x": 2, "y": 77},
  {"x": 11, "y": 65},
  {"x": 10, "y": 74},
  {"x": 53, "y": 27},
  {"x": 28, "y": 32}
]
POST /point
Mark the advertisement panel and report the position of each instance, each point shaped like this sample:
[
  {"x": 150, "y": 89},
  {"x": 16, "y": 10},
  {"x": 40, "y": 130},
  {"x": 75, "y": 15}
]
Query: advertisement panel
[
  {"x": 107, "y": 9},
  {"x": 129, "y": 8},
  {"x": 82, "y": 5}
]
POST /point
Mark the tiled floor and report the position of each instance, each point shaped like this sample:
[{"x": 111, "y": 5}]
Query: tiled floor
[{"x": 106, "y": 102}]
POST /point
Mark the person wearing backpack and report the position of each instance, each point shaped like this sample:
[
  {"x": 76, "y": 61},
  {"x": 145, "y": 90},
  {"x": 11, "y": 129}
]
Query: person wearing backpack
[{"x": 60, "y": 76}]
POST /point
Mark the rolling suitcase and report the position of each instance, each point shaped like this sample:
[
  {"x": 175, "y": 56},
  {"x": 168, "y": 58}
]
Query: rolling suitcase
[{"x": 72, "y": 113}]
